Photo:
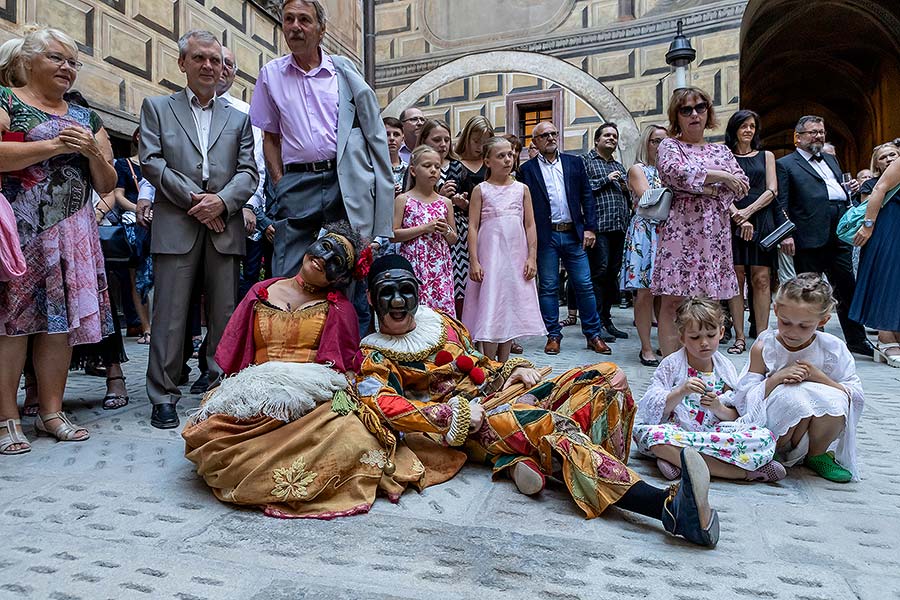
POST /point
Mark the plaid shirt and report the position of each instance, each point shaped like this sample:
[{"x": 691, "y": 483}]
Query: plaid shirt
[{"x": 613, "y": 207}]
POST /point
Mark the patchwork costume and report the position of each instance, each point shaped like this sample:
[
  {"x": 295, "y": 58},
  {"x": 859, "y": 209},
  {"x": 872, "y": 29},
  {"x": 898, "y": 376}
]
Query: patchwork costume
[{"x": 423, "y": 382}]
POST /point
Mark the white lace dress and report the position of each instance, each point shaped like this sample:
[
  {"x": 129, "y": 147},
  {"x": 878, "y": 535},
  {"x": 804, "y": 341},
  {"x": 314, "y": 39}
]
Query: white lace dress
[
  {"x": 788, "y": 404},
  {"x": 743, "y": 444}
]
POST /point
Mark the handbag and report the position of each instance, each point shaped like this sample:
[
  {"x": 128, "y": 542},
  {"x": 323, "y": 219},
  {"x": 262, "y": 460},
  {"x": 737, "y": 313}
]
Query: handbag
[
  {"x": 655, "y": 204},
  {"x": 854, "y": 217},
  {"x": 114, "y": 243},
  {"x": 12, "y": 261},
  {"x": 778, "y": 234}
]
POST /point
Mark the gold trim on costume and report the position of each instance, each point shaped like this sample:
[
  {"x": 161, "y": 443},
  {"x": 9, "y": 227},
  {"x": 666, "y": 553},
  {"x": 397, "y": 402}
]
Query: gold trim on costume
[
  {"x": 291, "y": 482},
  {"x": 348, "y": 248},
  {"x": 510, "y": 365},
  {"x": 416, "y": 345}
]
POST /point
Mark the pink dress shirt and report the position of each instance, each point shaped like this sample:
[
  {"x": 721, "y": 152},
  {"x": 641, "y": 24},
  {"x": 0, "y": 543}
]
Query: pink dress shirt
[{"x": 301, "y": 106}]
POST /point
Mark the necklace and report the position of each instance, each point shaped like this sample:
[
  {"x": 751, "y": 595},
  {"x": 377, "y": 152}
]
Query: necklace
[{"x": 307, "y": 287}]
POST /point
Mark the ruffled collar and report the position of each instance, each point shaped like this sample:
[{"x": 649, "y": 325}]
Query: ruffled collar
[{"x": 428, "y": 337}]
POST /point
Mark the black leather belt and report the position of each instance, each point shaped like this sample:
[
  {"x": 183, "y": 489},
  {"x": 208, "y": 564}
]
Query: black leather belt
[
  {"x": 313, "y": 167},
  {"x": 562, "y": 226}
]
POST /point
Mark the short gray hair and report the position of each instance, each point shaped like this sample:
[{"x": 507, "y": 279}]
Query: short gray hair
[
  {"x": 201, "y": 35},
  {"x": 37, "y": 38},
  {"x": 321, "y": 17},
  {"x": 801, "y": 124}
]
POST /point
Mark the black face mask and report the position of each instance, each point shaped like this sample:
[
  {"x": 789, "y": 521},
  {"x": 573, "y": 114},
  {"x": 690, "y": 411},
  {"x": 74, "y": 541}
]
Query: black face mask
[
  {"x": 334, "y": 255},
  {"x": 395, "y": 290}
]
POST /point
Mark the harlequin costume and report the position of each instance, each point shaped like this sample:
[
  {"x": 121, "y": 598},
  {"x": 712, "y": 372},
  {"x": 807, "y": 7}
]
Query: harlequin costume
[{"x": 284, "y": 433}]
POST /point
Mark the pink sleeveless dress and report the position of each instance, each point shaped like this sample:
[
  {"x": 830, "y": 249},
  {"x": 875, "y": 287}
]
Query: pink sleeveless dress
[
  {"x": 505, "y": 305},
  {"x": 429, "y": 255}
]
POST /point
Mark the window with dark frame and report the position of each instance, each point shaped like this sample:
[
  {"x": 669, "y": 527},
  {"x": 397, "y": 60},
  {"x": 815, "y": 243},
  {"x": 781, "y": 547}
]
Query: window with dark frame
[{"x": 529, "y": 116}]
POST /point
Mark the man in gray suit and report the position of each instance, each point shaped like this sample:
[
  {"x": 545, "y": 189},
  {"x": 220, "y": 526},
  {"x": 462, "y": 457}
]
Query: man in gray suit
[
  {"x": 324, "y": 142},
  {"x": 197, "y": 151}
]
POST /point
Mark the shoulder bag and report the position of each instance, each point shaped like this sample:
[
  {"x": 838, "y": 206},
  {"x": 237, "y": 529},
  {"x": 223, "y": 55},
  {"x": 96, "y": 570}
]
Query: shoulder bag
[
  {"x": 854, "y": 217},
  {"x": 778, "y": 234},
  {"x": 655, "y": 204}
]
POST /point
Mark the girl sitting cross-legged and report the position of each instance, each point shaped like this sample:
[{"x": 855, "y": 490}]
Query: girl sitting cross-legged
[{"x": 690, "y": 403}]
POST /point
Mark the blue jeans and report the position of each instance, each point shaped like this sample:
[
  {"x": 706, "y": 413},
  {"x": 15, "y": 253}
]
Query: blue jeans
[{"x": 565, "y": 245}]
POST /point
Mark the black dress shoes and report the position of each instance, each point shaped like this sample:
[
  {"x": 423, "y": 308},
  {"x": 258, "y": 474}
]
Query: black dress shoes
[
  {"x": 201, "y": 385},
  {"x": 164, "y": 416},
  {"x": 865, "y": 347},
  {"x": 606, "y": 336},
  {"x": 615, "y": 331}
]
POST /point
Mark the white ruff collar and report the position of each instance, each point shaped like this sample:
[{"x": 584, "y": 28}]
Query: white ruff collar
[{"x": 428, "y": 336}]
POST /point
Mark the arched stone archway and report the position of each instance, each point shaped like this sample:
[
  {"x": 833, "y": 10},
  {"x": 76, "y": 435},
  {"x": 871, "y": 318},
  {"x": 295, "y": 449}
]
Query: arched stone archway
[
  {"x": 839, "y": 59},
  {"x": 597, "y": 95}
]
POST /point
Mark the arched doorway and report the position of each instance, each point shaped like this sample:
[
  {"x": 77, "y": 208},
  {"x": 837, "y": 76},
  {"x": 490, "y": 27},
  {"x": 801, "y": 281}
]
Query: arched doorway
[
  {"x": 597, "y": 95},
  {"x": 839, "y": 59}
]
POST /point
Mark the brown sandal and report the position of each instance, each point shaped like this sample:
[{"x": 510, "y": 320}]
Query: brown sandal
[{"x": 66, "y": 431}]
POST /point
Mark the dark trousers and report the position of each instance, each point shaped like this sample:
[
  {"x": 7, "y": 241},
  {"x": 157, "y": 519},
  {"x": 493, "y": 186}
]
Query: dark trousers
[
  {"x": 256, "y": 265},
  {"x": 605, "y": 259},
  {"x": 835, "y": 260}
]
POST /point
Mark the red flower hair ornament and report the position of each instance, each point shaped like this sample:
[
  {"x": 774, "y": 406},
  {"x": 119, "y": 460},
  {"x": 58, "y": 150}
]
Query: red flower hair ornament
[{"x": 363, "y": 264}]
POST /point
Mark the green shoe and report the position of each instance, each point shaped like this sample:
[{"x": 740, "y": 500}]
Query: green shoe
[{"x": 825, "y": 466}]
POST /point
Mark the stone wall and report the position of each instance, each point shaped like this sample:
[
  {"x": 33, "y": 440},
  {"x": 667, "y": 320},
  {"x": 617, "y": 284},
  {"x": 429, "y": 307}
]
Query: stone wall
[
  {"x": 620, "y": 43},
  {"x": 129, "y": 47}
]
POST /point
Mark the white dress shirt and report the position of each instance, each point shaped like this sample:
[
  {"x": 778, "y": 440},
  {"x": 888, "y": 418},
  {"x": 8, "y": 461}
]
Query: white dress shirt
[
  {"x": 257, "y": 201},
  {"x": 555, "y": 182},
  {"x": 835, "y": 190},
  {"x": 146, "y": 191},
  {"x": 202, "y": 119}
]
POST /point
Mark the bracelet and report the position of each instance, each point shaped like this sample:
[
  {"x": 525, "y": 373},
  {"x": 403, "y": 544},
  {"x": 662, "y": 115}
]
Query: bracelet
[
  {"x": 512, "y": 364},
  {"x": 459, "y": 427}
]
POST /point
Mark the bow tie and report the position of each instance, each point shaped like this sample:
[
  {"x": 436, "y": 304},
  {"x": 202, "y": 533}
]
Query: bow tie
[{"x": 817, "y": 157}]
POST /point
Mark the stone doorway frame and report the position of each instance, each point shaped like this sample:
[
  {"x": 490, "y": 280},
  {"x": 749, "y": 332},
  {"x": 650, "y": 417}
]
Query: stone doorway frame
[{"x": 595, "y": 94}]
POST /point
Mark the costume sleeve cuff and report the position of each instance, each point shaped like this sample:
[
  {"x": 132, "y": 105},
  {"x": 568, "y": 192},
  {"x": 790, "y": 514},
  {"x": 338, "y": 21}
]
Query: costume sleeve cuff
[
  {"x": 512, "y": 364},
  {"x": 459, "y": 423}
]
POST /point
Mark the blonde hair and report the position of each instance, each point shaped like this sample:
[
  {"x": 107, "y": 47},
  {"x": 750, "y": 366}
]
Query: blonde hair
[
  {"x": 416, "y": 157},
  {"x": 643, "y": 153},
  {"x": 37, "y": 38},
  {"x": 490, "y": 145},
  {"x": 873, "y": 164},
  {"x": 677, "y": 101},
  {"x": 476, "y": 125},
  {"x": 808, "y": 288},
  {"x": 702, "y": 312},
  {"x": 11, "y": 72}
]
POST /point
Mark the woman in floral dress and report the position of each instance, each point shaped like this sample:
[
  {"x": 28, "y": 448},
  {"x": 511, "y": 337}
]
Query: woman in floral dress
[
  {"x": 694, "y": 254},
  {"x": 641, "y": 240},
  {"x": 51, "y": 155}
]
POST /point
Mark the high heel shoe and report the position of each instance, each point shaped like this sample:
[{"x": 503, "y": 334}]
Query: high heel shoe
[
  {"x": 880, "y": 354},
  {"x": 64, "y": 432}
]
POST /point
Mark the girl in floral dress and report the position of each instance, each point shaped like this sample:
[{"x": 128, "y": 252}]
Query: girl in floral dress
[
  {"x": 690, "y": 403},
  {"x": 424, "y": 226}
]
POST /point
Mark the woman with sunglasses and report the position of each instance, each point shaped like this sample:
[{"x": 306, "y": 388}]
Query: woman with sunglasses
[{"x": 694, "y": 255}]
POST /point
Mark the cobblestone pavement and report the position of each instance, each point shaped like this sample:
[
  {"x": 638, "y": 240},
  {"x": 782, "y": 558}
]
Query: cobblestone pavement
[{"x": 125, "y": 516}]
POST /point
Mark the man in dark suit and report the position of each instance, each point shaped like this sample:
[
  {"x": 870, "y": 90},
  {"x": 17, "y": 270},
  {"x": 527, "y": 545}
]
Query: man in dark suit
[
  {"x": 810, "y": 190},
  {"x": 565, "y": 216},
  {"x": 197, "y": 151}
]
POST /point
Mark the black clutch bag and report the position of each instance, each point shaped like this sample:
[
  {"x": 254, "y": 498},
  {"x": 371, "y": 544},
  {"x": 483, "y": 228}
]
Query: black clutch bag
[{"x": 779, "y": 233}]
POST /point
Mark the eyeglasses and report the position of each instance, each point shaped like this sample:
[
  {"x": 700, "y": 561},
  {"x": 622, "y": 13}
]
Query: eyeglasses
[
  {"x": 813, "y": 133},
  {"x": 58, "y": 60},
  {"x": 687, "y": 110},
  {"x": 656, "y": 141},
  {"x": 547, "y": 135},
  {"x": 414, "y": 120}
]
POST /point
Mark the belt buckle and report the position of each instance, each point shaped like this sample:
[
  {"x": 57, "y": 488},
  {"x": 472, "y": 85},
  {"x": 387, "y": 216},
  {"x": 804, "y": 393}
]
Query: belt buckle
[{"x": 321, "y": 166}]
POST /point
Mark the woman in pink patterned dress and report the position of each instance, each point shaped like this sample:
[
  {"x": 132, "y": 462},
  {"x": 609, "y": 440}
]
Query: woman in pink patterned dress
[
  {"x": 424, "y": 226},
  {"x": 694, "y": 253}
]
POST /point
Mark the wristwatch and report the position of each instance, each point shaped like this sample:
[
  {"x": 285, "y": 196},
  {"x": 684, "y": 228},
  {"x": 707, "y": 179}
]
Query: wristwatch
[{"x": 868, "y": 223}]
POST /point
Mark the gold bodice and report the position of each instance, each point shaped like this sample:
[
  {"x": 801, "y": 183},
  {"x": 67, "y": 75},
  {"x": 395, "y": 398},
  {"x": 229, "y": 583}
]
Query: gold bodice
[{"x": 288, "y": 336}]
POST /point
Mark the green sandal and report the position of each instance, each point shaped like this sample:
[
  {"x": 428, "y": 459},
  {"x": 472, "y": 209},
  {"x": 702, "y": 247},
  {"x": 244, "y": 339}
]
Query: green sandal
[{"x": 825, "y": 466}]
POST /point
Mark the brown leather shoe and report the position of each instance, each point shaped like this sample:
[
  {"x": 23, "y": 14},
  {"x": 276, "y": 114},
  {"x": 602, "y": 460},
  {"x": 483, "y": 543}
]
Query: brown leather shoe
[
  {"x": 598, "y": 345},
  {"x": 552, "y": 346}
]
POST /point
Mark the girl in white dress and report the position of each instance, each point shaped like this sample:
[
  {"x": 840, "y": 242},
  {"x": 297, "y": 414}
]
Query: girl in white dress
[
  {"x": 813, "y": 397},
  {"x": 690, "y": 402}
]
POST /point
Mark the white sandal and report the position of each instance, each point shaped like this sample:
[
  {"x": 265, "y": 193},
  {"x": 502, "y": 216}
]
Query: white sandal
[
  {"x": 881, "y": 355},
  {"x": 14, "y": 435},
  {"x": 66, "y": 431}
]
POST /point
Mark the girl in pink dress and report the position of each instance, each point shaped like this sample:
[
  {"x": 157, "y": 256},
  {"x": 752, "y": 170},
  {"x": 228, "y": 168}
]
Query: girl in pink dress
[
  {"x": 501, "y": 296},
  {"x": 423, "y": 224}
]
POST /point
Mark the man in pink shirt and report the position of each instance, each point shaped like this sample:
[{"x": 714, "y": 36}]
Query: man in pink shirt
[{"x": 323, "y": 139}]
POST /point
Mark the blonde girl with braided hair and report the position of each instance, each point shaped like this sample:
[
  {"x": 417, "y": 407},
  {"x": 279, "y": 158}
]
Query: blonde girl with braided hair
[{"x": 803, "y": 382}]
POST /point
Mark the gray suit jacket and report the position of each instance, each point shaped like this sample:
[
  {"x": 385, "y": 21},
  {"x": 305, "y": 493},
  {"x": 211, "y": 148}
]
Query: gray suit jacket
[
  {"x": 171, "y": 161},
  {"x": 363, "y": 162}
]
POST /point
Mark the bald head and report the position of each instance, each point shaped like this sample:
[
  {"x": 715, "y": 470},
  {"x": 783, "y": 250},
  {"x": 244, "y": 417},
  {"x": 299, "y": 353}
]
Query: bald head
[{"x": 545, "y": 137}]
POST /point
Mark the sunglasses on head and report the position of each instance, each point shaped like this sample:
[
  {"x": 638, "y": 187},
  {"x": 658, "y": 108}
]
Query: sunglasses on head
[{"x": 687, "y": 110}]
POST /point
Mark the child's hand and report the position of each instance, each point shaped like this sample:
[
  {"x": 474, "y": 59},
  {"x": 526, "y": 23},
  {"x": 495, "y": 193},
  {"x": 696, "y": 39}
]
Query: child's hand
[
  {"x": 710, "y": 400},
  {"x": 814, "y": 373},
  {"x": 694, "y": 385},
  {"x": 476, "y": 273},
  {"x": 530, "y": 269},
  {"x": 792, "y": 374}
]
